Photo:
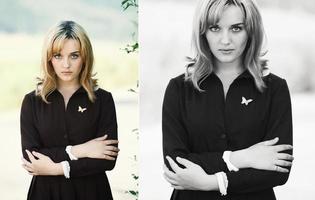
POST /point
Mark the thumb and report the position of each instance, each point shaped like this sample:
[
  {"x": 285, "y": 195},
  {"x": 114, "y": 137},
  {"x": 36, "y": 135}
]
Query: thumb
[
  {"x": 184, "y": 161},
  {"x": 101, "y": 138},
  {"x": 38, "y": 155},
  {"x": 271, "y": 142}
]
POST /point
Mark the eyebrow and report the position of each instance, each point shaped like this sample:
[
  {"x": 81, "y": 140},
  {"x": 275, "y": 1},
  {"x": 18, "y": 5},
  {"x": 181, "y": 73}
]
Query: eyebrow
[
  {"x": 238, "y": 24},
  {"x": 75, "y": 52}
]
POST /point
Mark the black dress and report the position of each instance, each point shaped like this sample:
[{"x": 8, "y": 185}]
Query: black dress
[
  {"x": 200, "y": 126},
  {"x": 49, "y": 128}
]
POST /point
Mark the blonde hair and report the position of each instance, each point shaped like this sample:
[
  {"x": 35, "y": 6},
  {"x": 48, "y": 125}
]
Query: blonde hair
[
  {"x": 53, "y": 44},
  {"x": 208, "y": 13}
]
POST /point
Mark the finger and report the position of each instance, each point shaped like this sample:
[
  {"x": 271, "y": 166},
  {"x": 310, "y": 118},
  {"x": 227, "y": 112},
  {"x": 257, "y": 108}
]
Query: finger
[
  {"x": 173, "y": 165},
  {"x": 111, "y": 153},
  {"x": 178, "y": 187},
  {"x": 283, "y": 147},
  {"x": 101, "y": 138},
  {"x": 112, "y": 148},
  {"x": 169, "y": 173},
  {"x": 271, "y": 142},
  {"x": 107, "y": 157},
  {"x": 283, "y": 163},
  {"x": 280, "y": 169},
  {"x": 285, "y": 156},
  {"x": 184, "y": 162},
  {"x": 26, "y": 162},
  {"x": 28, "y": 169},
  {"x": 30, "y": 156},
  {"x": 170, "y": 180},
  {"x": 38, "y": 155},
  {"x": 109, "y": 142}
]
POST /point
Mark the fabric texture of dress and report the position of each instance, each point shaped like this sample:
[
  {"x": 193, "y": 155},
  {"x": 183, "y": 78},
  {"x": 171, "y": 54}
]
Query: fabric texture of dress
[
  {"x": 49, "y": 128},
  {"x": 200, "y": 126}
]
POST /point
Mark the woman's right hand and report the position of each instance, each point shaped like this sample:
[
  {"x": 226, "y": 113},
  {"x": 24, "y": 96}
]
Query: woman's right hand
[
  {"x": 265, "y": 156},
  {"x": 99, "y": 148}
]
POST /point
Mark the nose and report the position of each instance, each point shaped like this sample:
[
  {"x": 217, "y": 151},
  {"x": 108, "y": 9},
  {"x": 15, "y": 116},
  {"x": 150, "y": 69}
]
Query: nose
[
  {"x": 66, "y": 63},
  {"x": 225, "y": 38}
]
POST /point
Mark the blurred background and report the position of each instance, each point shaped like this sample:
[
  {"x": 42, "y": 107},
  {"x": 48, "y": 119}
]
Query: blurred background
[
  {"x": 165, "y": 31},
  {"x": 23, "y": 25}
]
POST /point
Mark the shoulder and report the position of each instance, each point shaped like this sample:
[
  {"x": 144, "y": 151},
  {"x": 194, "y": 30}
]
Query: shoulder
[
  {"x": 275, "y": 83},
  {"x": 179, "y": 82},
  {"x": 31, "y": 97},
  {"x": 103, "y": 95}
]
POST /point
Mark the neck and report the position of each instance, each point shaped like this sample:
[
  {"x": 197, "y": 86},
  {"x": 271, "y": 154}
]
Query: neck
[
  {"x": 68, "y": 86},
  {"x": 228, "y": 68}
]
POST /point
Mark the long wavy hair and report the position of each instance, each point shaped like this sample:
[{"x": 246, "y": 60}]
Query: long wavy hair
[
  {"x": 208, "y": 13},
  {"x": 53, "y": 44}
]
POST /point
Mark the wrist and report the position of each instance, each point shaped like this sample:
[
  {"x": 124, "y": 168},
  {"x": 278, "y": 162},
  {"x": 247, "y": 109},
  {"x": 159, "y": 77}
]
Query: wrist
[
  {"x": 57, "y": 169},
  {"x": 210, "y": 183},
  {"x": 78, "y": 151},
  {"x": 239, "y": 159}
]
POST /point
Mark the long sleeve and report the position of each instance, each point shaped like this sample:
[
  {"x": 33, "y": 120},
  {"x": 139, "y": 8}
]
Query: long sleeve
[
  {"x": 107, "y": 125},
  {"x": 279, "y": 125},
  {"x": 175, "y": 135},
  {"x": 30, "y": 137}
]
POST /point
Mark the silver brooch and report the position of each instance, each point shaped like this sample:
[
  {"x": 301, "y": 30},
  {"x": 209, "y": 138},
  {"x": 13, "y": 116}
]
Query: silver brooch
[
  {"x": 80, "y": 109},
  {"x": 246, "y": 102}
]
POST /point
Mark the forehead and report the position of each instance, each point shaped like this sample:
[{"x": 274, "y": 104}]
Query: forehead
[
  {"x": 226, "y": 14},
  {"x": 231, "y": 15},
  {"x": 65, "y": 45}
]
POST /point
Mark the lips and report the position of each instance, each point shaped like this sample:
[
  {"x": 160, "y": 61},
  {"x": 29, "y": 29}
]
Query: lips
[
  {"x": 66, "y": 73},
  {"x": 226, "y": 51}
]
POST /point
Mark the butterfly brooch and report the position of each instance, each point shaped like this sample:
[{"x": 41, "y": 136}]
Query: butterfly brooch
[
  {"x": 80, "y": 109},
  {"x": 246, "y": 101}
]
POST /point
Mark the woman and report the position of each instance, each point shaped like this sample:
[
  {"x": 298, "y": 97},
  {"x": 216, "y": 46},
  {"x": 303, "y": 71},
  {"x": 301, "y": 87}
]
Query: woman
[
  {"x": 68, "y": 125},
  {"x": 227, "y": 125}
]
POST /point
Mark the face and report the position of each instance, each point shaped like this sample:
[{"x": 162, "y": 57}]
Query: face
[
  {"x": 227, "y": 39},
  {"x": 68, "y": 62}
]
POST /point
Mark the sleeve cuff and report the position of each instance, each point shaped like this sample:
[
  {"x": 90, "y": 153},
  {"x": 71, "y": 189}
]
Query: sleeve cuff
[
  {"x": 66, "y": 168},
  {"x": 222, "y": 182},
  {"x": 226, "y": 158},
  {"x": 68, "y": 151}
]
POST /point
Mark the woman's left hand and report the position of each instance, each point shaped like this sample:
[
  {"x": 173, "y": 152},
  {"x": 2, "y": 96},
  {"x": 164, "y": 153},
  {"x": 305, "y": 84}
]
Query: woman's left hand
[
  {"x": 41, "y": 166},
  {"x": 193, "y": 177}
]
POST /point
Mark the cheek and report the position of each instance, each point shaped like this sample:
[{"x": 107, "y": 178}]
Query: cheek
[
  {"x": 211, "y": 40},
  {"x": 242, "y": 40}
]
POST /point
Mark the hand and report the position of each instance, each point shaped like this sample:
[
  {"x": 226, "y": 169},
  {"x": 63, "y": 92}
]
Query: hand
[
  {"x": 193, "y": 177},
  {"x": 41, "y": 166},
  {"x": 266, "y": 156},
  {"x": 99, "y": 148}
]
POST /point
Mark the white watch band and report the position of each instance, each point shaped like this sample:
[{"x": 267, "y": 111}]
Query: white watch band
[
  {"x": 68, "y": 151},
  {"x": 226, "y": 158}
]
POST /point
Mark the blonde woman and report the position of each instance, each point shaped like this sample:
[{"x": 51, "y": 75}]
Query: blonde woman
[
  {"x": 227, "y": 124},
  {"x": 68, "y": 124}
]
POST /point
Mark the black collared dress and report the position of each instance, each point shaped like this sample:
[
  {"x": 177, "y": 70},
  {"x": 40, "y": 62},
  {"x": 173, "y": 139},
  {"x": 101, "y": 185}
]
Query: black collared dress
[
  {"x": 200, "y": 126},
  {"x": 49, "y": 128}
]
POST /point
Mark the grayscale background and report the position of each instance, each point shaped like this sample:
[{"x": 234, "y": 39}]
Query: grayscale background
[{"x": 164, "y": 32}]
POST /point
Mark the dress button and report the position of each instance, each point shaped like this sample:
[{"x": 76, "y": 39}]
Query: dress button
[
  {"x": 223, "y": 136},
  {"x": 65, "y": 136}
]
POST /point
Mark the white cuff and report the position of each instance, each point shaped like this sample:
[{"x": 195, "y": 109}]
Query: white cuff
[
  {"x": 66, "y": 168},
  {"x": 68, "y": 151},
  {"x": 226, "y": 158},
  {"x": 222, "y": 182}
]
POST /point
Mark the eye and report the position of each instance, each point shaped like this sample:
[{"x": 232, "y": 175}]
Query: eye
[
  {"x": 74, "y": 56},
  {"x": 236, "y": 28},
  {"x": 57, "y": 56},
  {"x": 214, "y": 28}
]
